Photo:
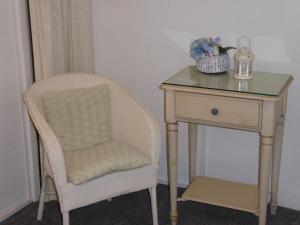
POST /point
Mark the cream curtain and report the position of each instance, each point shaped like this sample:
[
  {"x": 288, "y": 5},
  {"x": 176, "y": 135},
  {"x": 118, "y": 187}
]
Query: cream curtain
[
  {"x": 61, "y": 36},
  {"x": 62, "y": 42}
]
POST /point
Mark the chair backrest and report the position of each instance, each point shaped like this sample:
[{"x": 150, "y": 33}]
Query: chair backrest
[{"x": 119, "y": 97}]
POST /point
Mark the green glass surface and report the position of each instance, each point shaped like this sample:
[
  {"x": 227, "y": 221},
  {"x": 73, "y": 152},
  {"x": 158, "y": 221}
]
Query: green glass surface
[{"x": 262, "y": 83}]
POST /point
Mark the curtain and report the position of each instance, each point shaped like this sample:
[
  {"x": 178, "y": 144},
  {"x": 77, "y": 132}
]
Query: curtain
[
  {"x": 62, "y": 42},
  {"x": 61, "y": 36}
]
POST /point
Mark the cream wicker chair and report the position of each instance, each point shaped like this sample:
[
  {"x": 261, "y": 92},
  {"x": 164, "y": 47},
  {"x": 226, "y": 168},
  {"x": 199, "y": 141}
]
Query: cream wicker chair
[{"x": 131, "y": 123}]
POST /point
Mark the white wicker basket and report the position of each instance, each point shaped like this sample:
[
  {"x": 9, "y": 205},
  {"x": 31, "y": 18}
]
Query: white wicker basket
[{"x": 214, "y": 64}]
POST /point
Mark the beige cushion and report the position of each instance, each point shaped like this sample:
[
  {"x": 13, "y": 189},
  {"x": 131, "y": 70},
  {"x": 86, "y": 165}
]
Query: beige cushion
[
  {"x": 86, "y": 164},
  {"x": 80, "y": 118}
]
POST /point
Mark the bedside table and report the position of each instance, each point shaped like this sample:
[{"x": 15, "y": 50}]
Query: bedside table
[{"x": 257, "y": 105}]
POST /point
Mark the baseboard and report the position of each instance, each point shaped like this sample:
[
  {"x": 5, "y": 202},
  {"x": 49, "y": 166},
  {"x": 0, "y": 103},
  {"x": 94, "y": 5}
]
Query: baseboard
[
  {"x": 9, "y": 212},
  {"x": 180, "y": 183}
]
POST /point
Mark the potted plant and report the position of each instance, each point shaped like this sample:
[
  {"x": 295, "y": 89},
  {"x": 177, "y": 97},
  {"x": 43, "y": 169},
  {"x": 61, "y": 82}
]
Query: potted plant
[{"x": 210, "y": 56}]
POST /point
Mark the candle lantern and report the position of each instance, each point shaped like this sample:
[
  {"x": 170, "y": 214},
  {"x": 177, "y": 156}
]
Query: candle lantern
[{"x": 243, "y": 61}]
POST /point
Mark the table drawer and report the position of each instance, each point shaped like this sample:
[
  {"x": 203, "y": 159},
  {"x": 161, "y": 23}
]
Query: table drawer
[{"x": 219, "y": 111}]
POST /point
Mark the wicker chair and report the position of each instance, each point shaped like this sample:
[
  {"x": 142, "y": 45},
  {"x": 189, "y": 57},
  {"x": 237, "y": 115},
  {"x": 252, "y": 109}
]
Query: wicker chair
[{"x": 131, "y": 124}]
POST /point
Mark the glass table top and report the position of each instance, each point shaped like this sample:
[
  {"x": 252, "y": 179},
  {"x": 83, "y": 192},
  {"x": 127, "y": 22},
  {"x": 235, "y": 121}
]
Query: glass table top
[{"x": 263, "y": 83}]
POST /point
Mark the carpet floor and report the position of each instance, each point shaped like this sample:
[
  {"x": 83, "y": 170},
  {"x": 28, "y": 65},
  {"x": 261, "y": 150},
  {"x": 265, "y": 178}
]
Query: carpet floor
[{"x": 134, "y": 209}]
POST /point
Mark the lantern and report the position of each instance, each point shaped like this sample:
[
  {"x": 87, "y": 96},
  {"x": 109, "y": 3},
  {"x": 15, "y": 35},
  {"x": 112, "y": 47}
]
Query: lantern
[{"x": 243, "y": 60}]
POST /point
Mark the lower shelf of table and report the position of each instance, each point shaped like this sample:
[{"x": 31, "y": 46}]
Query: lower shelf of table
[{"x": 228, "y": 194}]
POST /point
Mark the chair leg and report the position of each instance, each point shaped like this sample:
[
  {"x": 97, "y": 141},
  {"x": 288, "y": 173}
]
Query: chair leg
[
  {"x": 42, "y": 198},
  {"x": 66, "y": 219},
  {"x": 152, "y": 191}
]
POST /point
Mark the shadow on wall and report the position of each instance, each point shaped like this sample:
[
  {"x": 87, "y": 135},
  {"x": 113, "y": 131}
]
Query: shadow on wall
[{"x": 267, "y": 49}]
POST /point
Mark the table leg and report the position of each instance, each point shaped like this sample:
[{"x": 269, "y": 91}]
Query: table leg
[
  {"x": 276, "y": 160},
  {"x": 193, "y": 132},
  {"x": 259, "y": 163},
  {"x": 172, "y": 147},
  {"x": 266, "y": 156}
]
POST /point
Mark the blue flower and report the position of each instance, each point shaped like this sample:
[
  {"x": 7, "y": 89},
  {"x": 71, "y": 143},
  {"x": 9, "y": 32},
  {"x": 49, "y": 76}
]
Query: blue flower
[
  {"x": 206, "y": 47},
  {"x": 196, "y": 52}
]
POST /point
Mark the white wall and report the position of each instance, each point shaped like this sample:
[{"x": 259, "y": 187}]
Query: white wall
[
  {"x": 18, "y": 173},
  {"x": 140, "y": 43}
]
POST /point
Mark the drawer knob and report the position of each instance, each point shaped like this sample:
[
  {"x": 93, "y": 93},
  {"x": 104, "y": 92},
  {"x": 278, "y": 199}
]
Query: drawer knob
[{"x": 214, "y": 111}]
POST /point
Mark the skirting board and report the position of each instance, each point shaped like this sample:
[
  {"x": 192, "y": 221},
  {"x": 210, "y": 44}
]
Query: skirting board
[
  {"x": 9, "y": 212},
  {"x": 180, "y": 183}
]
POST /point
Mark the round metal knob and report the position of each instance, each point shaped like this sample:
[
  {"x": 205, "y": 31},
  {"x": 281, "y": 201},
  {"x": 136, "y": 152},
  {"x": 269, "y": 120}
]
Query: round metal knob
[{"x": 214, "y": 111}]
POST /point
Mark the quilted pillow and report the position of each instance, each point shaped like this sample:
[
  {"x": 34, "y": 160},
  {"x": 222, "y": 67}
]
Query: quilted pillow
[
  {"x": 80, "y": 118},
  {"x": 87, "y": 164}
]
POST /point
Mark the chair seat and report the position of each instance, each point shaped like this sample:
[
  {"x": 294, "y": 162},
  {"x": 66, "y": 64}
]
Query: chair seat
[{"x": 86, "y": 164}]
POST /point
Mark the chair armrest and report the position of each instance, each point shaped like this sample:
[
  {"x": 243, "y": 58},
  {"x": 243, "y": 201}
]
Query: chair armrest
[
  {"x": 50, "y": 142},
  {"x": 134, "y": 124}
]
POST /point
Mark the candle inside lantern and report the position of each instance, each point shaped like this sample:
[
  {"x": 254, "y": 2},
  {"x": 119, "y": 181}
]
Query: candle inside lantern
[{"x": 243, "y": 60}]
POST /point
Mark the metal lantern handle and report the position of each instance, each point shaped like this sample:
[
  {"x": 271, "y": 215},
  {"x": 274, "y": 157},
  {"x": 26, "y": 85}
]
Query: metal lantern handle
[{"x": 244, "y": 37}]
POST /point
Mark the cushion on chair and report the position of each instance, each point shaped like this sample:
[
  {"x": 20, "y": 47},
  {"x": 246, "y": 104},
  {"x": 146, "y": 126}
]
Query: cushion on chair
[
  {"x": 80, "y": 118},
  {"x": 86, "y": 164}
]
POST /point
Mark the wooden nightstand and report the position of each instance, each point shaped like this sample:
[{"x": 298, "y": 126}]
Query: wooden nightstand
[{"x": 257, "y": 105}]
